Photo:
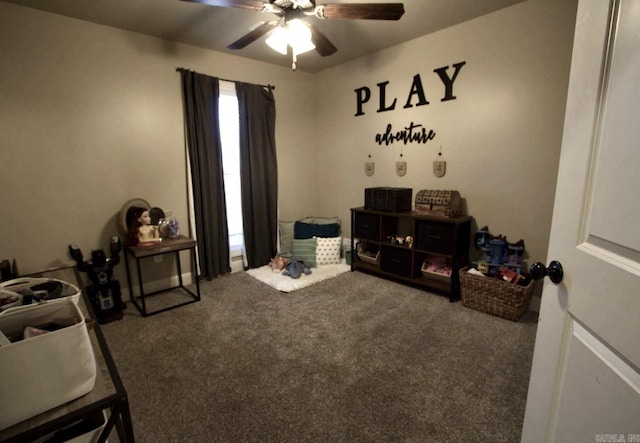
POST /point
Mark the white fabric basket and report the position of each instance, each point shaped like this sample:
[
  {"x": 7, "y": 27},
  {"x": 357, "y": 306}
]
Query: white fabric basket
[
  {"x": 42, "y": 372},
  {"x": 15, "y": 288}
]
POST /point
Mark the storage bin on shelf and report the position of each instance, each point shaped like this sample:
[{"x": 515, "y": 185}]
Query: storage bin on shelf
[
  {"x": 47, "y": 370},
  {"x": 369, "y": 257},
  {"x": 436, "y": 266},
  {"x": 369, "y": 253},
  {"x": 494, "y": 296},
  {"x": 439, "y": 202}
]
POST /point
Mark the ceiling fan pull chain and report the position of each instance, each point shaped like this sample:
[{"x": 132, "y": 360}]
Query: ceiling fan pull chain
[{"x": 293, "y": 62}]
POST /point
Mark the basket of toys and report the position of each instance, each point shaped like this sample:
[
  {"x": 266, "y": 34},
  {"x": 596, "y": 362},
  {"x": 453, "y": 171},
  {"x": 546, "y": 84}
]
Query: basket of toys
[
  {"x": 31, "y": 290},
  {"x": 46, "y": 359},
  {"x": 495, "y": 296}
]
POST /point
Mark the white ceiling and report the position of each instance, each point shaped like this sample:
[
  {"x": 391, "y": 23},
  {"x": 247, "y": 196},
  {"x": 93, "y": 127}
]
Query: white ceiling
[{"x": 215, "y": 27}]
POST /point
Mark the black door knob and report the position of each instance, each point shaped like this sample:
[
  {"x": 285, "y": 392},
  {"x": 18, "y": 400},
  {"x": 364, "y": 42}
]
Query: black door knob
[{"x": 554, "y": 271}]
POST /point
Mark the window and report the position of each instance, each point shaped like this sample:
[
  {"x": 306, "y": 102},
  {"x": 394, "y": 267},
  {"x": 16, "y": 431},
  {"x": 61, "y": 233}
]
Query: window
[{"x": 230, "y": 138}]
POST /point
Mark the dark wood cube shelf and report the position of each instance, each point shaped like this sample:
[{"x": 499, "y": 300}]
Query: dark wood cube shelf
[{"x": 435, "y": 239}]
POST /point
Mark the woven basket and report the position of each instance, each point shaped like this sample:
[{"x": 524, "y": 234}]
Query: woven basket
[{"x": 494, "y": 296}]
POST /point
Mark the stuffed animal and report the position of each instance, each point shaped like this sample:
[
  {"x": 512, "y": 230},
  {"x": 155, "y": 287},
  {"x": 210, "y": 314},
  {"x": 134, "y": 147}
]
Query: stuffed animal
[
  {"x": 296, "y": 268},
  {"x": 279, "y": 262}
]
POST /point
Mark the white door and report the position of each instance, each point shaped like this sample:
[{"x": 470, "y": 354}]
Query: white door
[{"x": 585, "y": 379}]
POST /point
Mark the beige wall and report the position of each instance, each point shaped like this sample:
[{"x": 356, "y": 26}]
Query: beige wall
[
  {"x": 91, "y": 116},
  {"x": 500, "y": 137}
]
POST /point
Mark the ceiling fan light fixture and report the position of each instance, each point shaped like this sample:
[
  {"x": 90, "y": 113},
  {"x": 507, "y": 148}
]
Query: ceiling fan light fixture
[
  {"x": 295, "y": 34},
  {"x": 278, "y": 40},
  {"x": 298, "y": 31},
  {"x": 288, "y": 30},
  {"x": 302, "y": 47},
  {"x": 299, "y": 37}
]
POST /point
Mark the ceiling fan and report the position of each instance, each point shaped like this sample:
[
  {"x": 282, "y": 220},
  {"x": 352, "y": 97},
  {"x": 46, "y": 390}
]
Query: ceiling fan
[{"x": 305, "y": 36}]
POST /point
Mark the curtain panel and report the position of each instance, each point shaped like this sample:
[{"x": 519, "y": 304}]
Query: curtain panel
[
  {"x": 200, "y": 96},
  {"x": 258, "y": 172}
]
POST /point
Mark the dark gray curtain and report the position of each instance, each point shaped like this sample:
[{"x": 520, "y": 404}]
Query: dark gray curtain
[
  {"x": 200, "y": 95},
  {"x": 258, "y": 172}
]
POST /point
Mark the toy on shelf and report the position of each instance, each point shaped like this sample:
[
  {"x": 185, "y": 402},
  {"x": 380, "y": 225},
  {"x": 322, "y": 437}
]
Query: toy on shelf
[{"x": 142, "y": 230}]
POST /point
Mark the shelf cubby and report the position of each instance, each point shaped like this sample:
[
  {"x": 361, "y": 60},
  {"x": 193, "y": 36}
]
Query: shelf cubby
[{"x": 435, "y": 238}]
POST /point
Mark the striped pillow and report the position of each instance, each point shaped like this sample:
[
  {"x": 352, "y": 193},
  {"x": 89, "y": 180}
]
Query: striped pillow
[{"x": 305, "y": 250}]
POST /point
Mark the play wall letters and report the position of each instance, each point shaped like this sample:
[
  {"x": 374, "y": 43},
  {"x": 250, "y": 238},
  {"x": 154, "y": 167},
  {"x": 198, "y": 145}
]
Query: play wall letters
[{"x": 414, "y": 132}]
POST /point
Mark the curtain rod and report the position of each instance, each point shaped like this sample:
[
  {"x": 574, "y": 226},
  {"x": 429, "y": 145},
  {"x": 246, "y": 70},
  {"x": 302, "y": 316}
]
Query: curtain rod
[{"x": 272, "y": 87}]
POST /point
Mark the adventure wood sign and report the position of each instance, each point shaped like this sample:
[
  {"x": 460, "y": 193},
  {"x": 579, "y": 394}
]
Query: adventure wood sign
[
  {"x": 410, "y": 134},
  {"x": 413, "y": 133}
]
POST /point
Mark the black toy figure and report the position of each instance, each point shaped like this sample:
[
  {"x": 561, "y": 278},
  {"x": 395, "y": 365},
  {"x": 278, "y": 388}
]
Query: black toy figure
[{"x": 103, "y": 288}]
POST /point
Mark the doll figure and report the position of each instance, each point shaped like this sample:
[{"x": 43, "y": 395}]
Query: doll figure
[
  {"x": 147, "y": 233},
  {"x": 141, "y": 231}
]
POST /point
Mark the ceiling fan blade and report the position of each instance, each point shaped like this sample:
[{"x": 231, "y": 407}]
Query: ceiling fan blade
[
  {"x": 362, "y": 11},
  {"x": 252, "y": 36},
  {"x": 324, "y": 47},
  {"x": 253, "y": 5}
]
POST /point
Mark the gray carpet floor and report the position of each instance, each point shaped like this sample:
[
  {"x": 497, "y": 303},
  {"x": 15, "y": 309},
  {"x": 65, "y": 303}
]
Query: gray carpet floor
[{"x": 354, "y": 358}]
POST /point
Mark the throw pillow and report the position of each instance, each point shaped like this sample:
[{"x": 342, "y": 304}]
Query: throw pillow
[
  {"x": 328, "y": 251},
  {"x": 308, "y": 230},
  {"x": 286, "y": 234},
  {"x": 286, "y": 237},
  {"x": 324, "y": 220},
  {"x": 305, "y": 250}
]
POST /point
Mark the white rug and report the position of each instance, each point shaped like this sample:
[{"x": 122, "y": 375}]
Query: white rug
[{"x": 285, "y": 283}]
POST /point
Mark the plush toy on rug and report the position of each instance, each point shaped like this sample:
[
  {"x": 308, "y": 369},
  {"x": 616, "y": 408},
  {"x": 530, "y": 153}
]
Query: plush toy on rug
[
  {"x": 279, "y": 262},
  {"x": 296, "y": 268}
]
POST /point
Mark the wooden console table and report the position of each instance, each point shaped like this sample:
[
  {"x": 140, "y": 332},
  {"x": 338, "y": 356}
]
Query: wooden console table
[{"x": 166, "y": 246}]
